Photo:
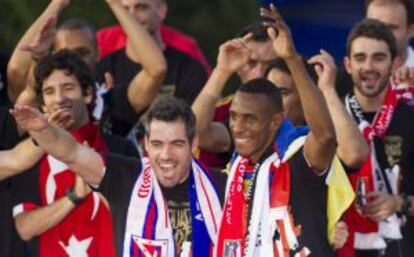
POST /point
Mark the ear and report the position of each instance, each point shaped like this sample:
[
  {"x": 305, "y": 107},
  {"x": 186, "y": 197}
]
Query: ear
[
  {"x": 410, "y": 31},
  {"x": 347, "y": 64},
  {"x": 396, "y": 63},
  {"x": 43, "y": 107},
  {"x": 146, "y": 142},
  {"x": 88, "y": 96},
  {"x": 162, "y": 10},
  {"x": 194, "y": 144},
  {"x": 277, "y": 120}
]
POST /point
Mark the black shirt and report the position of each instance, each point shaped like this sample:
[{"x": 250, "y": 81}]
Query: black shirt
[
  {"x": 397, "y": 148},
  {"x": 10, "y": 244},
  {"x": 4, "y": 98},
  {"x": 120, "y": 177},
  {"x": 184, "y": 79},
  {"x": 308, "y": 199}
]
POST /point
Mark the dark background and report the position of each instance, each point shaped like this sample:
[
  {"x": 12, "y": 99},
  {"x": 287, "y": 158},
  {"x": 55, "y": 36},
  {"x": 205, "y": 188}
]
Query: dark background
[{"x": 315, "y": 23}]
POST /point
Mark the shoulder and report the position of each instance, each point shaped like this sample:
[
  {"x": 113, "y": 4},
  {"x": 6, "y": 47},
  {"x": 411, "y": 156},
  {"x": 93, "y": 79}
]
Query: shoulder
[
  {"x": 175, "y": 56},
  {"x": 112, "y": 57}
]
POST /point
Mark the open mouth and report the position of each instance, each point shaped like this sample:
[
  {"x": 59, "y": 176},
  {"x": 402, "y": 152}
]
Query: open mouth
[
  {"x": 370, "y": 79},
  {"x": 167, "y": 169}
]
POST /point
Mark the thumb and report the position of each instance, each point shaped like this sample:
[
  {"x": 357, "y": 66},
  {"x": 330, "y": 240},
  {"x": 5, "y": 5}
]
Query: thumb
[
  {"x": 109, "y": 81},
  {"x": 318, "y": 70}
]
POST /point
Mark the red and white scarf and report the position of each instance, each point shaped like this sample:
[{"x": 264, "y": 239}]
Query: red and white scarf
[
  {"x": 87, "y": 230},
  {"x": 370, "y": 178},
  {"x": 148, "y": 227},
  {"x": 270, "y": 214}
]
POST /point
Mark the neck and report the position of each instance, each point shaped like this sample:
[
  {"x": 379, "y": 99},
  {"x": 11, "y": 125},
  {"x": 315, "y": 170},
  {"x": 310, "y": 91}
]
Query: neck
[{"x": 371, "y": 103}]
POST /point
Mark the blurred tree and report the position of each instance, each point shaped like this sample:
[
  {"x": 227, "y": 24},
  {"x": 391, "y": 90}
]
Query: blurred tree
[{"x": 211, "y": 22}]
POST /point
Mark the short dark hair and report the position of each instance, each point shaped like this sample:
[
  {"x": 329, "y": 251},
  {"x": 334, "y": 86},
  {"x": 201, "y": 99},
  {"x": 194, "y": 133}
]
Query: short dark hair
[
  {"x": 170, "y": 109},
  {"x": 71, "y": 64},
  {"x": 280, "y": 64},
  {"x": 258, "y": 30},
  {"x": 262, "y": 86},
  {"x": 80, "y": 24},
  {"x": 373, "y": 29},
  {"x": 407, "y": 4}
]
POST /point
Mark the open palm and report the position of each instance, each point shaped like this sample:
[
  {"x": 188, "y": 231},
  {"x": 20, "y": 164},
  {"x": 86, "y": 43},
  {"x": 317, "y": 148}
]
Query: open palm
[{"x": 29, "y": 118}]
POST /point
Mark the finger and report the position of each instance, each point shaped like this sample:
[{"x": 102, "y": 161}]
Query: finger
[
  {"x": 315, "y": 59},
  {"x": 327, "y": 55},
  {"x": 109, "y": 81},
  {"x": 272, "y": 33},
  {"x": 411, "y": 74},
  {"x": 403, "y": 74},
  {"x": 247, "y": 37}
]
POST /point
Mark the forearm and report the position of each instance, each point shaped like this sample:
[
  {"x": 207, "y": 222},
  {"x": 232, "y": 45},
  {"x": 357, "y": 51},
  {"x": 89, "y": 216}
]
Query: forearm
[
  {"x": 205, "y": 104},
  {"x": 313, "y": 104},
  {"x": 37, "y": 221},
  {"x": 352, "y": 146},
  {"x": 82, "y": 160},
  {"x": 142, "y": 91},
  {"x": 56, "y": 142},
  {"x": 144, "y": 46},
  {"x": 19, "y": 159},
  {"x": 20, "y": 61}
]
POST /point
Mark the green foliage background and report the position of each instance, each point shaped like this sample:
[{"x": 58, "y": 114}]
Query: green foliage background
[{"x": 209, "y": 21}]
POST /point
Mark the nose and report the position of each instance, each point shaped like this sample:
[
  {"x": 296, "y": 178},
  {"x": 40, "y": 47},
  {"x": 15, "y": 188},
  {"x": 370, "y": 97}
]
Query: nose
[
  {"x": 237, "y": 126},
  {"x": 59, "y": 96},
  {"x": 165, "y": 153},
  {"x": 368, "y": 64}
]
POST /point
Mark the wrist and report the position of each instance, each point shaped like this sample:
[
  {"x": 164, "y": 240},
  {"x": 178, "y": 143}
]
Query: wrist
[
  {"x": 328, "y": 91},
  {"x": 71, "y": 195},
  {"x": 404, "y": 205},
  {"x": 294, "y": 57},
  {"x": 37, "y": 57},
  {"x": 222, "y": 72}
]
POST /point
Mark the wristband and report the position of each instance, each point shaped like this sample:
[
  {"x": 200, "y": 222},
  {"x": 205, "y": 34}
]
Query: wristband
[
  {"x": 405, "y": 206},
  {"x": 72, "y": 197}
]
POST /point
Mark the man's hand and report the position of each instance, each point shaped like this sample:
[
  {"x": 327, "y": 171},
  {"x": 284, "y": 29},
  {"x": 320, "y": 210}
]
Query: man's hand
[
  {"x": 233, "y": 55},
  {"x": 40, "y": 46},
  {"x": 60, "y": 118},
  {"x": 29, "y": 118},
  {"x": 341, "y": 235},
  {"x": 279, "y": 33},
  {"x": 81, "y": 188},
  {"x": 325, "y": 69},
  {"x": 381, "y": 206},
  {"x": 403, "y": 75},
  {"x": 109, "y": 81}
]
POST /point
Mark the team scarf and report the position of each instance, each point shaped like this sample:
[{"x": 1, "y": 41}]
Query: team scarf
[
  {"x": 371, "y": 178},
  {"x": 87, "y": 229},
  {"x": 148, "y": 229},
  {"x": 263, "y": 226}
]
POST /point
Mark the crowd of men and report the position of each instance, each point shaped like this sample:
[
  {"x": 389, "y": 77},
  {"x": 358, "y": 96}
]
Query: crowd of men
[{"x": 119, "y": 143}]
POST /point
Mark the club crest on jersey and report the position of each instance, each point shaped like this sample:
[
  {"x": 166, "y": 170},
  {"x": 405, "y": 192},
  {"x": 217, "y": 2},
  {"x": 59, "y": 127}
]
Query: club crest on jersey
[
  {"x": 232, "y": 248},
  {"x": 150, "y": 248}
]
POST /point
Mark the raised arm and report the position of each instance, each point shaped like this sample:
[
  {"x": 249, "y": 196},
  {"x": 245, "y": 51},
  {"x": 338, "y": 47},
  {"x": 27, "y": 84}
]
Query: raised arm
[
  {"x": 81, "y": 159},
  {"x": 352, "y": 146},
  {"x": 36, "y": 41},
  {"x": 214, "y": 136},
  {"x": 20, "y": 158},
  {"x": 320, "y": 144},
  {"x": 144, "y": 87}
]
